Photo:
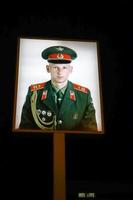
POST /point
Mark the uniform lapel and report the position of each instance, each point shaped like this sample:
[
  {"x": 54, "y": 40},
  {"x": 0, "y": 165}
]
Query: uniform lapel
[{"x": 50, "y": 99}]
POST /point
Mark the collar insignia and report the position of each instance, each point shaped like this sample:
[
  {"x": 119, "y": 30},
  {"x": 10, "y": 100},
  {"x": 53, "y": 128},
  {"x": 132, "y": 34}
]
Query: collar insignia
[
  {"x": 72, "y": 95},
  {"x": 44, "y": 95}
]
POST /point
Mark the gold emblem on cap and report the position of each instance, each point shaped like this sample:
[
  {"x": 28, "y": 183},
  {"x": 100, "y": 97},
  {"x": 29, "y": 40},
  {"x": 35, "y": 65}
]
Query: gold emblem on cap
[{"x": 60, "y": 56}]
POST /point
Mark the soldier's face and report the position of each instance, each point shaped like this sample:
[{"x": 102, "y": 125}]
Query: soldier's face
[{"x": 59, "y": 72}]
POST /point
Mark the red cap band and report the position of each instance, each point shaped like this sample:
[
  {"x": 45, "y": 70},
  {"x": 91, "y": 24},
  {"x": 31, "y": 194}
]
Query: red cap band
[{"x": 59, "y": 56}]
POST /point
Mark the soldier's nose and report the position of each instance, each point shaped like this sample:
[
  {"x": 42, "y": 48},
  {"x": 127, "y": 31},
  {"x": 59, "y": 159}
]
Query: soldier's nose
[{"x": 59, "y": 70}]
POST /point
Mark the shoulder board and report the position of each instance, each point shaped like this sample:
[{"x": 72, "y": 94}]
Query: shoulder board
[
  {"x": 37, "y": 86},
  {"x": 80, "y": 88}
]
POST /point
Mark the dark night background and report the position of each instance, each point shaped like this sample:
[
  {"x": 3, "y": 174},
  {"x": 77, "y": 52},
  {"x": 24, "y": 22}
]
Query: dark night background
[{"x": 94, "y": 163}]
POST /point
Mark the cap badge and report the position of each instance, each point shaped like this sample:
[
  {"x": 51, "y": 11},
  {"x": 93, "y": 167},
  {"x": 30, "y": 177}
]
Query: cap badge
[{"x": 60, "y": 48}]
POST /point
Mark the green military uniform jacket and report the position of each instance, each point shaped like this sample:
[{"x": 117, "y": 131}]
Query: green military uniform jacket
[{"x": 40, "y": 110}]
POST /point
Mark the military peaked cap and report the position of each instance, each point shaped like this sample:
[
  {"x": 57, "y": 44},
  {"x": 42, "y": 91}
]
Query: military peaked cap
[{"x": 59, "y": 54}]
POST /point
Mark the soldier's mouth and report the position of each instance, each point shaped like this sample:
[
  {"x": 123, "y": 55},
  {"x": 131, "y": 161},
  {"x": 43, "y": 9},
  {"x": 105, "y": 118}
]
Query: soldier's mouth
[{"x": 59, "y": 76}]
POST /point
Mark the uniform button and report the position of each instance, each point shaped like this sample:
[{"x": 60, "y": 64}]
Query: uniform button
[{"x": 59, "y": 121}]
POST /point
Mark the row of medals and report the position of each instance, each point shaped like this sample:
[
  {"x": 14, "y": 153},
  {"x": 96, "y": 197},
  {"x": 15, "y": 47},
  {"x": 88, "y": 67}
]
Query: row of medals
[{"x": 44, "y": 113}]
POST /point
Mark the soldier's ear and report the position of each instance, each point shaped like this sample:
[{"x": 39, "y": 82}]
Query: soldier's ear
[{"x": 48, "y": 68}]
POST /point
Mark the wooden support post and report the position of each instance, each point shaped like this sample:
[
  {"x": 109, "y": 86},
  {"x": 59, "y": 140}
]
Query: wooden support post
[{"x": 59, "y": 184}]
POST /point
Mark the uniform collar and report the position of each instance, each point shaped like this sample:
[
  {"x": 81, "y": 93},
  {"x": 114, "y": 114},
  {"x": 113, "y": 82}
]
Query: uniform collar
[
  {"x": 69, "y": 97},
  {"x": 56, "y": 89}
]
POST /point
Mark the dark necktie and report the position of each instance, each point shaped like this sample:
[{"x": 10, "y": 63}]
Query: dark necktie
[{"x": 59, "y": 98}]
